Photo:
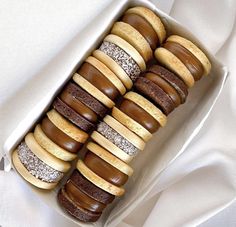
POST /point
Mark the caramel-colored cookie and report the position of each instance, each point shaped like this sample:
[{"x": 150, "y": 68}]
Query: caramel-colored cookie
[
  {"x": 170, "y": 61},
  {"x": 107, "y": 73},
  {"x": 138, "y": 114},
  {"x": 197, "y": 52},
  {"x": 98, "y": 181},
  {"x": 143, "y": 27},
  {"x": 109, "y": 158},
  {"x": 98, "y": 80},
  {"x": 131, "y": 35},
  {"x": 148, "y": 106},
  {"x": 92, "y": 90},
  {"x": 59, "y": 137},
  {"x": 82, "y": 199},
  {"x": 187, "y": 58},
  {"x": 67, "y": 127},
  {"x": 152, "y": 18},
  {"x": 104, "y": 170},
  {"x": 52, "y": 147}
]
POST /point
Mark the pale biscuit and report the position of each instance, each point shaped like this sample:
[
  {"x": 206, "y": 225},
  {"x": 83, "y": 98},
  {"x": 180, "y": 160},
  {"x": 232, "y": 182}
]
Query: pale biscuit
[
  {"x": 197, "y": 52},
  {"x": 114, "y": 67},
  {"x": 45, "y": 156},
  {"x": 153, "y": 20},
  {"x": 107, "y": 73},
  {"x": 131, "y": 124},
  {"x": 29, "y": 177},
  {"x": 67, "y": 127},
  {"x": 92, "y": 90},
  {"x": 98, "y": 181},
  {"x": 109, "y": 158},
  {"x": 125, "y": 132},
  {"x": 51, "y": 147},
  {"x": 147, "y": 106},
  {"x": 132, "y": 36},
  {"x": 169, "y": 60},
  {"x": 129, "y": 49}
]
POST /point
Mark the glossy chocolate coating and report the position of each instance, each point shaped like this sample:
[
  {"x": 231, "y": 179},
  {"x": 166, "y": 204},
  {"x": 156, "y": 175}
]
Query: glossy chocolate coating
[
  {"x": 139, "y": 115},
  {"x": 105, "y": 170},
  {"x": 75, "y": 210},
  {"x": 165, "y": 87},
  {"x": 143, "y": 27},
  {"x": 154, "y": 94},
  {"x": 90, "y": 189},
  {"x": 96, "y": 78},
  {"x": 78, "y": 106},
  {"x": 87, "y": 99},
  {"x": 172, "y": 79},
  {"x": 82, "y": 199},
  {"x": 59, "y": 137},
  {"x": 69, "y": 113},
  {"x": 189, "y": 60}
]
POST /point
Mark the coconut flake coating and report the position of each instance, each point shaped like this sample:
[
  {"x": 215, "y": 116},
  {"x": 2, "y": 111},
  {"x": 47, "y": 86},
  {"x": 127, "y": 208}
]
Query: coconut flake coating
[
  {"x": 117, "y": 139},
  {"x": 36, "y": 167},
  {"x": 126, "y": 62}
]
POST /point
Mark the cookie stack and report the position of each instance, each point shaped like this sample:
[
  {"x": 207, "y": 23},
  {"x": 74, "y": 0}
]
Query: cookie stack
[
  {"x": 44, "y": 156},
  {"x": 122, "y": 134}
]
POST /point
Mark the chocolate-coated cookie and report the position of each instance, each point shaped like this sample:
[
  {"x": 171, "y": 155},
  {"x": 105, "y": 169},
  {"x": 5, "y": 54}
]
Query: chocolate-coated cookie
[
  {"x": 90, "y": 189},
  {"x": 172, "y": 79},
  {"x": 155, "y": 94},
  {"x": 86, "y": 99},
  {"x": 95, "y": 77},
  {"x": 105, "y": 170},
  {"x": 75, "y": 210},
  {"x": 140, "y": 115},
  {"x": 72, "y": 115},
  {"x": 59, "y": 137},
  {"x": 143, "y": 27}
]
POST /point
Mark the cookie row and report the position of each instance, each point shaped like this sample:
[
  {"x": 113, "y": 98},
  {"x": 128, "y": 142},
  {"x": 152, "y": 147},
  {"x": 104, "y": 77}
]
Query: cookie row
[
  {"x": 44, "y": 156},
  {"x": 120, "y": 136}
]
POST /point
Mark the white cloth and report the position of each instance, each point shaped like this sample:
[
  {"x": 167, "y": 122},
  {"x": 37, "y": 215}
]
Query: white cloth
[{"x": 32, "y": 33}]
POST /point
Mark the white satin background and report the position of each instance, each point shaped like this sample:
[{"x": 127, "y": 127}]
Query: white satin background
[{"x": 199, "y": 184}]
